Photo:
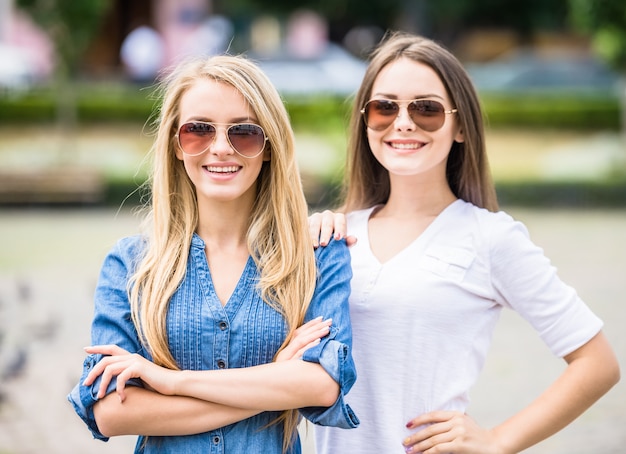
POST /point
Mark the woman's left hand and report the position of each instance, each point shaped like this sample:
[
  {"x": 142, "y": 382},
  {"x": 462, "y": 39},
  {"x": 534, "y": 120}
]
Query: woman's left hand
[
  {"x": 305, "y": 337},
  {"x": 448, "y": 432},
  {"x": 119, "y": 363}
]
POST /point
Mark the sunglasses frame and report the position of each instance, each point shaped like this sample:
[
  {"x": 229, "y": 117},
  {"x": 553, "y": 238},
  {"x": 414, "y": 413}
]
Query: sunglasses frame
[
  {"x": 406, "y": 103},
  {"x": 218, "y": 126}
]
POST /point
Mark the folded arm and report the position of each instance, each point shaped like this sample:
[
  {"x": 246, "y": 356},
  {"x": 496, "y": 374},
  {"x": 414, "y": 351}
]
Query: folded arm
[{"x": 145, "y": 412}]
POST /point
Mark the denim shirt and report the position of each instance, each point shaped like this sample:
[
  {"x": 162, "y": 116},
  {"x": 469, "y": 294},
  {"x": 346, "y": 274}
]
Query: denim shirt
[{"x": 206, "y": 335}]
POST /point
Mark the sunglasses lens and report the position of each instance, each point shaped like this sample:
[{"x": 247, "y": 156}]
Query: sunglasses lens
[
  {"x": 428, "y": 115},
  {"x": 195, "y": 138},
  {"x": 247, "y": 139},
  {"x": 380, "y": 113}
]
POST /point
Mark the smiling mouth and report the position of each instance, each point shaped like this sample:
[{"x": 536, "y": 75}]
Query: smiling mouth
[
  {"x": 406, "y": 146},
  {"x": 223, "y": 170}
]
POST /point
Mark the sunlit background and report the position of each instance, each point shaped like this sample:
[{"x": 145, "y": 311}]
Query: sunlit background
[{"x": 76, "y": 121}]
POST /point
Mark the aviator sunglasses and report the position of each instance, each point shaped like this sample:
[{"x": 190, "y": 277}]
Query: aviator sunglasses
[
  {"x": 429, "y": 115},
  {"x": 247, "y": 139}
]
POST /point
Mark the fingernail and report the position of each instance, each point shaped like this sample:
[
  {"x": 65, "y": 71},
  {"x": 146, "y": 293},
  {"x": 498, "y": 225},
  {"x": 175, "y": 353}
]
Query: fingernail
[{"x": 337, "y": 236}]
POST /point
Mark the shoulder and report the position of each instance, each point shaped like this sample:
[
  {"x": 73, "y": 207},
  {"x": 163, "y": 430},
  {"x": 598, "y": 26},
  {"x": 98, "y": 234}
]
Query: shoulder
[
  {"x": 493, "y": 226},
  {"x": 131, "y": 245},
  {"x": 336, "y": 253},
  {"x": 128, "y": 250},
  {"x": 359, "y": 216}
]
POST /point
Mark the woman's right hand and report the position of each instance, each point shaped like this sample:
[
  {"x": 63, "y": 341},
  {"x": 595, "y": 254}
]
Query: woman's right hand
[{"x": 327, "y": 224}]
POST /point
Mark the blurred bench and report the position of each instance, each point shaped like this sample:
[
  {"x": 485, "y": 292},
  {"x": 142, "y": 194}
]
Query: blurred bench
[{"x": 51, "y": 186}]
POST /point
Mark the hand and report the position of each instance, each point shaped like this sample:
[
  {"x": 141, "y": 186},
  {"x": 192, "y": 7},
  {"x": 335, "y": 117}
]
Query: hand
[
  {"x": 322, "y": 225},
  {"x": 124, "y": 365},
  {"x": 305, "y": 337},
  {"x": 449, "y": 432}
]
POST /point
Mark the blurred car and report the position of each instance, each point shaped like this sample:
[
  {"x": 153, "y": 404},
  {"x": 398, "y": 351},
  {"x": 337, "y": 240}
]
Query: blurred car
[
  {"x": 526, "y": 71},
  {"x": 335, "y": 72},
  {"x": 17, "y": 71}
]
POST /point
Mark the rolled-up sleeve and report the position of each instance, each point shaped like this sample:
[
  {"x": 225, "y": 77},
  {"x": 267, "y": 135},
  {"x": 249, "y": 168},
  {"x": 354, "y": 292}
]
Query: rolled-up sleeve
[
  {"x": 112, "y": 324},
  {"x": 334, "y": 352}
]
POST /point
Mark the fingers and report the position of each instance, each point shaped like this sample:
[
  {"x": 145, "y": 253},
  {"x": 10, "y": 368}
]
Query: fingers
[
  {"x": 446, "y": 432},
  {"x": 114, "y": 362},
  {"x": 300, "y": 352},
  {"x": 334, "y": 222},
  {"x": 424, "y": 439},
  {"x": 315, "y": 226},
  {"x": 105, "y": 350},
  {"x": 305, "y": 337},
  {"x": 326, "y": 225}
]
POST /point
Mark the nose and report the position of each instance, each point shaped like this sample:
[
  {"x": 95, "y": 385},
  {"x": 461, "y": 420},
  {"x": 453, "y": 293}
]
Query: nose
[
  {"x": 221, "y": 144},
  {"x": 403, "y": 121}
]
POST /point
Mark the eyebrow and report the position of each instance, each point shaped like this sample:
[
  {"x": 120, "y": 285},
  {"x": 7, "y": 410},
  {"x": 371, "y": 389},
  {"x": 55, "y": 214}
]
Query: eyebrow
[
  {"x": 232, "y": 120},
  {"x": 422, "y": 96}
]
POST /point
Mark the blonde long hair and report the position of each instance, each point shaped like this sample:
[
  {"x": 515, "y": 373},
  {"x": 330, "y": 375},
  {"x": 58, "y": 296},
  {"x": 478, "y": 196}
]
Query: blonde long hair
[
  {"x": 278, "y": 236},
  {"x": 467, "y": 169}
]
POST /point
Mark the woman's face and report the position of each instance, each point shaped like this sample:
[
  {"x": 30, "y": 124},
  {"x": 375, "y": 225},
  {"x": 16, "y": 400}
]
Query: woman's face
[
  {"x": 404, "y": 148},
  {"x": 219, "y": 174}
]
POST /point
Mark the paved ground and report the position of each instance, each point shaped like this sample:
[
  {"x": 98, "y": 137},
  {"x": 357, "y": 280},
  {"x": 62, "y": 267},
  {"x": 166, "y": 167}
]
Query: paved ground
[{"x": 49, "y": 261}]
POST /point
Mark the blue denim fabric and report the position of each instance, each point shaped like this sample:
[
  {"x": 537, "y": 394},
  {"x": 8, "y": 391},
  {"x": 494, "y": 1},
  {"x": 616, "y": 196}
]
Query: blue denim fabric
[{"x": 206, "y": 335}]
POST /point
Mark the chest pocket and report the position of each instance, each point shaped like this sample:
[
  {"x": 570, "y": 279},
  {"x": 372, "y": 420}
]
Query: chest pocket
[{"x": 448, "y": 262}]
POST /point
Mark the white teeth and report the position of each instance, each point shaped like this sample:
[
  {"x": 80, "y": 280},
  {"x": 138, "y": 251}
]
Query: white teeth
[
  {"x": 406, "y": 146},
  {"x": 230, "y": 169}
]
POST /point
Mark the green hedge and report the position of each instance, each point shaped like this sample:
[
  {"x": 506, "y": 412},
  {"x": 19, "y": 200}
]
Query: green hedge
[
  {"x": 533, "y": 194},
  {"x": 120, "y": 103},
  {"x": 545, "y": 111}
]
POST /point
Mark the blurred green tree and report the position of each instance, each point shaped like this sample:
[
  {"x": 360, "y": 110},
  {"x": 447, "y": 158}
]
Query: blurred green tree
[
  {"x": 71, "y": 25},
  {"x": 605, "y": 22}
]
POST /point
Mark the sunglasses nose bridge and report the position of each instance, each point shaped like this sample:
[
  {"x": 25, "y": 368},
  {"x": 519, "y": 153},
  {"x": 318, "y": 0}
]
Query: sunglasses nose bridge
[
  {"x": 404, "y": 119},
  {"x": 221, "y": 142}
]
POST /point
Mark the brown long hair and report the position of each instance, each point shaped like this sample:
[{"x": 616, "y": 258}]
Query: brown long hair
[{"x": 367, "y": 183}]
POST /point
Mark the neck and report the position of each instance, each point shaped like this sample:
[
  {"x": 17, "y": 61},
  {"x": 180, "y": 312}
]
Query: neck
[
  {"x": 408, "y": 199},
  {"x": 223, "y": 223}
]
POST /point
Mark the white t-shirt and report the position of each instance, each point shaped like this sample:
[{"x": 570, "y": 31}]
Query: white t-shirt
[{"x": 423, "y": 321}]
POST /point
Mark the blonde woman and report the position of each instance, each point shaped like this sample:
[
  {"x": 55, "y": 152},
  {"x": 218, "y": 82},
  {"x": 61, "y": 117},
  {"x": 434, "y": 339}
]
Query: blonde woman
[{"x": 214, "y": 326}]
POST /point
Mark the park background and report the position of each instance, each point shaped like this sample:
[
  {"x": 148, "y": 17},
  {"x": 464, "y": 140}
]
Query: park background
[{"x": 76, "y": 127}]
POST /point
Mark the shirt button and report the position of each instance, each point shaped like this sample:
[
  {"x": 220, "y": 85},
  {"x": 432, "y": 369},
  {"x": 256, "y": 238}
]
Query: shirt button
[
  {"x": 221, "y": 364},
  {"x": 223, "y": 325},
  {"x": 216, "y": 439}
]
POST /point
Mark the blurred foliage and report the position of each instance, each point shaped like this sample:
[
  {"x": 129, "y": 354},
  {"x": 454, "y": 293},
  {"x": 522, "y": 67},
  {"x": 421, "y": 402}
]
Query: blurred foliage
[
  {"x": 605, "y": 21},
  {"x": 443, "y": 19},
  {"x": 70, "y": 24}
]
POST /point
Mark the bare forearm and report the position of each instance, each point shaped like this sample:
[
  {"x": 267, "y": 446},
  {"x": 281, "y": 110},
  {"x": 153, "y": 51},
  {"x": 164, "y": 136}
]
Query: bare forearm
[
  {"x": 146, "y": 412},
  {"x": 591, "y": 372},
  {"x": 274, "y": 386}
]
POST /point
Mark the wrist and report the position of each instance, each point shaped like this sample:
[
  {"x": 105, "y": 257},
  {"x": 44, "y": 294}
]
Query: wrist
[{"x": 501, "y": 443}]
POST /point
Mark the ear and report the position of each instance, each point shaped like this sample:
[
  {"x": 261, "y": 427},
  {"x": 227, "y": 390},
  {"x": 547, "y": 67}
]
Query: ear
[
  {"x": 179, "y": 153},
  {"x": 267, "y": 154},
  {"x": 459, "y": 137}
]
